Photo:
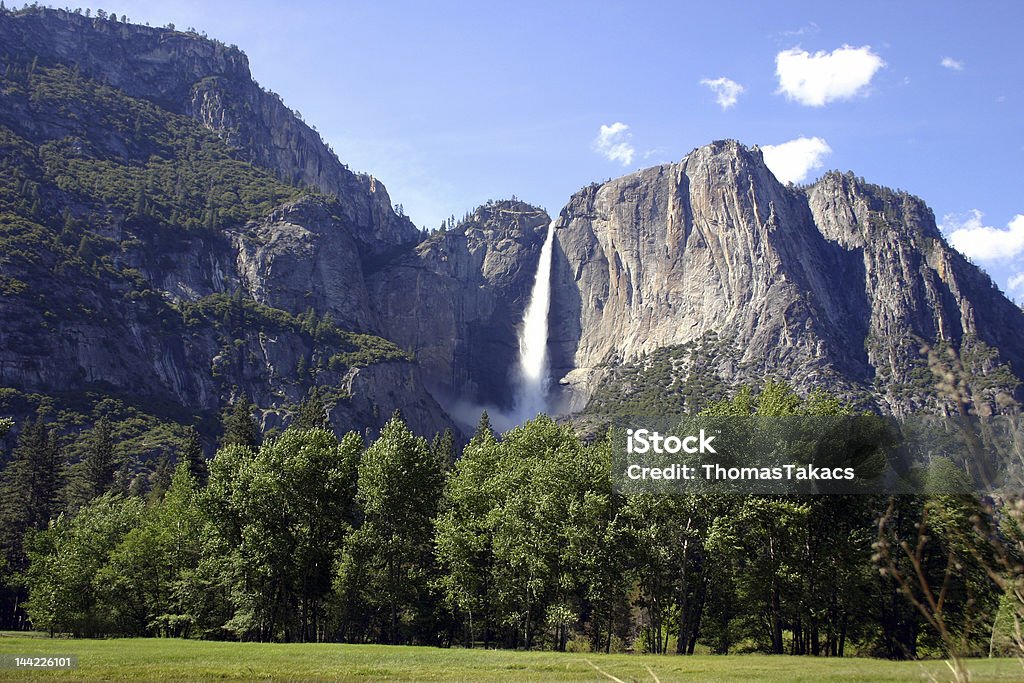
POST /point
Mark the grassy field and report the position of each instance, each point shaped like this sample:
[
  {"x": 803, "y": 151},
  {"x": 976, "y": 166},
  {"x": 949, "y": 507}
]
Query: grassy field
[{"x": 185, "y": 660}]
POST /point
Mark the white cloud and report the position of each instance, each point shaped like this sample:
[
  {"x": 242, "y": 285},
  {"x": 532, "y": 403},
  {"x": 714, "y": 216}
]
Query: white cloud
[
  {"x": 954, "y": 64},
  {"x": 1015, "y": 286},
  {"x": 613, "y": 143},
  {"x": 818, "y": 79},
  {"x": 792, "y": 161},
  {"x": 982, "y": 242},
  {"x": 726, "y": 90}
]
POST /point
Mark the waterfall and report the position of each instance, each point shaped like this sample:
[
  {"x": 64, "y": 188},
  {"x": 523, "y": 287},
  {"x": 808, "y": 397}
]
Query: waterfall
[{"x": 533, "y": 376}]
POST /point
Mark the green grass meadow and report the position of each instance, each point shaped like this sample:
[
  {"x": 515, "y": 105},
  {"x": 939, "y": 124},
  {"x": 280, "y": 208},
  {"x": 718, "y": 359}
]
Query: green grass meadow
[{"x": 146, "y": 659}]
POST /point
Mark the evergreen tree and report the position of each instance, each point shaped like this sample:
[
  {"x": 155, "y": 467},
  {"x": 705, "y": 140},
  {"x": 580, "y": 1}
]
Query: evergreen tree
[
  {"x": 31, "y": 482},
  {"x": 160, "y": 479},
  {"x": 239, "y": 425},
  {"x": 192, "y": 456},
  {"x": 99, "y": 464},
  {"x": 29, "y": 489},
  {"x": 483, "y": 428},
  {"x": 312, "y": 413},
  {"x": 140, "y": 203},
  {"x": 443, "y": 449},
  {"x": 123, "y": 478},
  {"x": 85, "y": 250},
  {"x": 325, "y": 327}
]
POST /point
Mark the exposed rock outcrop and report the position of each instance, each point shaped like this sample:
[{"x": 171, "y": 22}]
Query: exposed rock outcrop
[
  {"x": 834, "y": 285},
  {"x": 457, "y": 302},
  {"x": 298, "y": 257}
]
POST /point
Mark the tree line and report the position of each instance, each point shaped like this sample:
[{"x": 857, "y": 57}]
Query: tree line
[{"x": 518, "y": 541}]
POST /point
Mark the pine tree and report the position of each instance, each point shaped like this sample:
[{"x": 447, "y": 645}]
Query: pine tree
[
  {"x": 31, "y": 481},
  {"x": 123, "y": 478},
  {"x": 29, "y": 493},
  {"x": 192, "y": 455},
  {"x": 99, "y": 463},
  {"x": 443, "y": 449},
  {"x": 69, "y": 220},
  {"x": 160, "y": 479},
  {"x": 324, "y": 327},
  {"x": 85, "y": 250},
  {"x": 312, "y": 413},
  {"x": 483, "y": 428},
  {"x": 140, "y": 199},
  {"x": 240, "y": 428}
]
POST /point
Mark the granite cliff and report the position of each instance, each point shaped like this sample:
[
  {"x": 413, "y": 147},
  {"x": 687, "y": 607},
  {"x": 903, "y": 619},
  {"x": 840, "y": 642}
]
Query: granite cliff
[
  {"x": 839, "y": 284},
  {"x": 210, "y": 82},
  {"x": 457, "y": 300}
]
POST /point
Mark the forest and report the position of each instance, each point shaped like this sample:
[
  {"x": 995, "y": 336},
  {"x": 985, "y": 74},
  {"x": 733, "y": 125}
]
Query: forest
[{"x": 518, "y": 541}]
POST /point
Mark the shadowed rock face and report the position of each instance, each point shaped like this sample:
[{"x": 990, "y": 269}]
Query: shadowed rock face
[
  {"x": 834, "y": 284},
  {"x": 458, "y": 300}
]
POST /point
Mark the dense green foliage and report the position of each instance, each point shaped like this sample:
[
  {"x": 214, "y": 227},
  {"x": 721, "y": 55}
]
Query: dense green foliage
[
  {"x": 522, "y": 543},
  {"x": 123, "y": 154}
]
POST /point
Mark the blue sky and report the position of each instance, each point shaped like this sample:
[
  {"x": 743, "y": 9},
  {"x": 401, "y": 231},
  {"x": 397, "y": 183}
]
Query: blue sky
[{"x": 455, "y": 103}]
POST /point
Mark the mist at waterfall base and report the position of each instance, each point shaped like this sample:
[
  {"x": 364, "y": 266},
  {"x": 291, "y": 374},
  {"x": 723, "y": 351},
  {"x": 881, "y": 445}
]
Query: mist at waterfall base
[{"x": 531, "y": 377}]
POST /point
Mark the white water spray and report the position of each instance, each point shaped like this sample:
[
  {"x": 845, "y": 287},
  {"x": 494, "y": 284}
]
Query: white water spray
[{"x": 534, "y": 372}]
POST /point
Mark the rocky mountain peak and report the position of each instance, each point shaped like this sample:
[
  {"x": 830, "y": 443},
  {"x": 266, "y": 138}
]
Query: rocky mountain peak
[
  {"x": 190, "y": 74},
  {"x": 510, "y": 214},
  {"x": 839, "y": 284},
  {"x": 154, "y": 63}
]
